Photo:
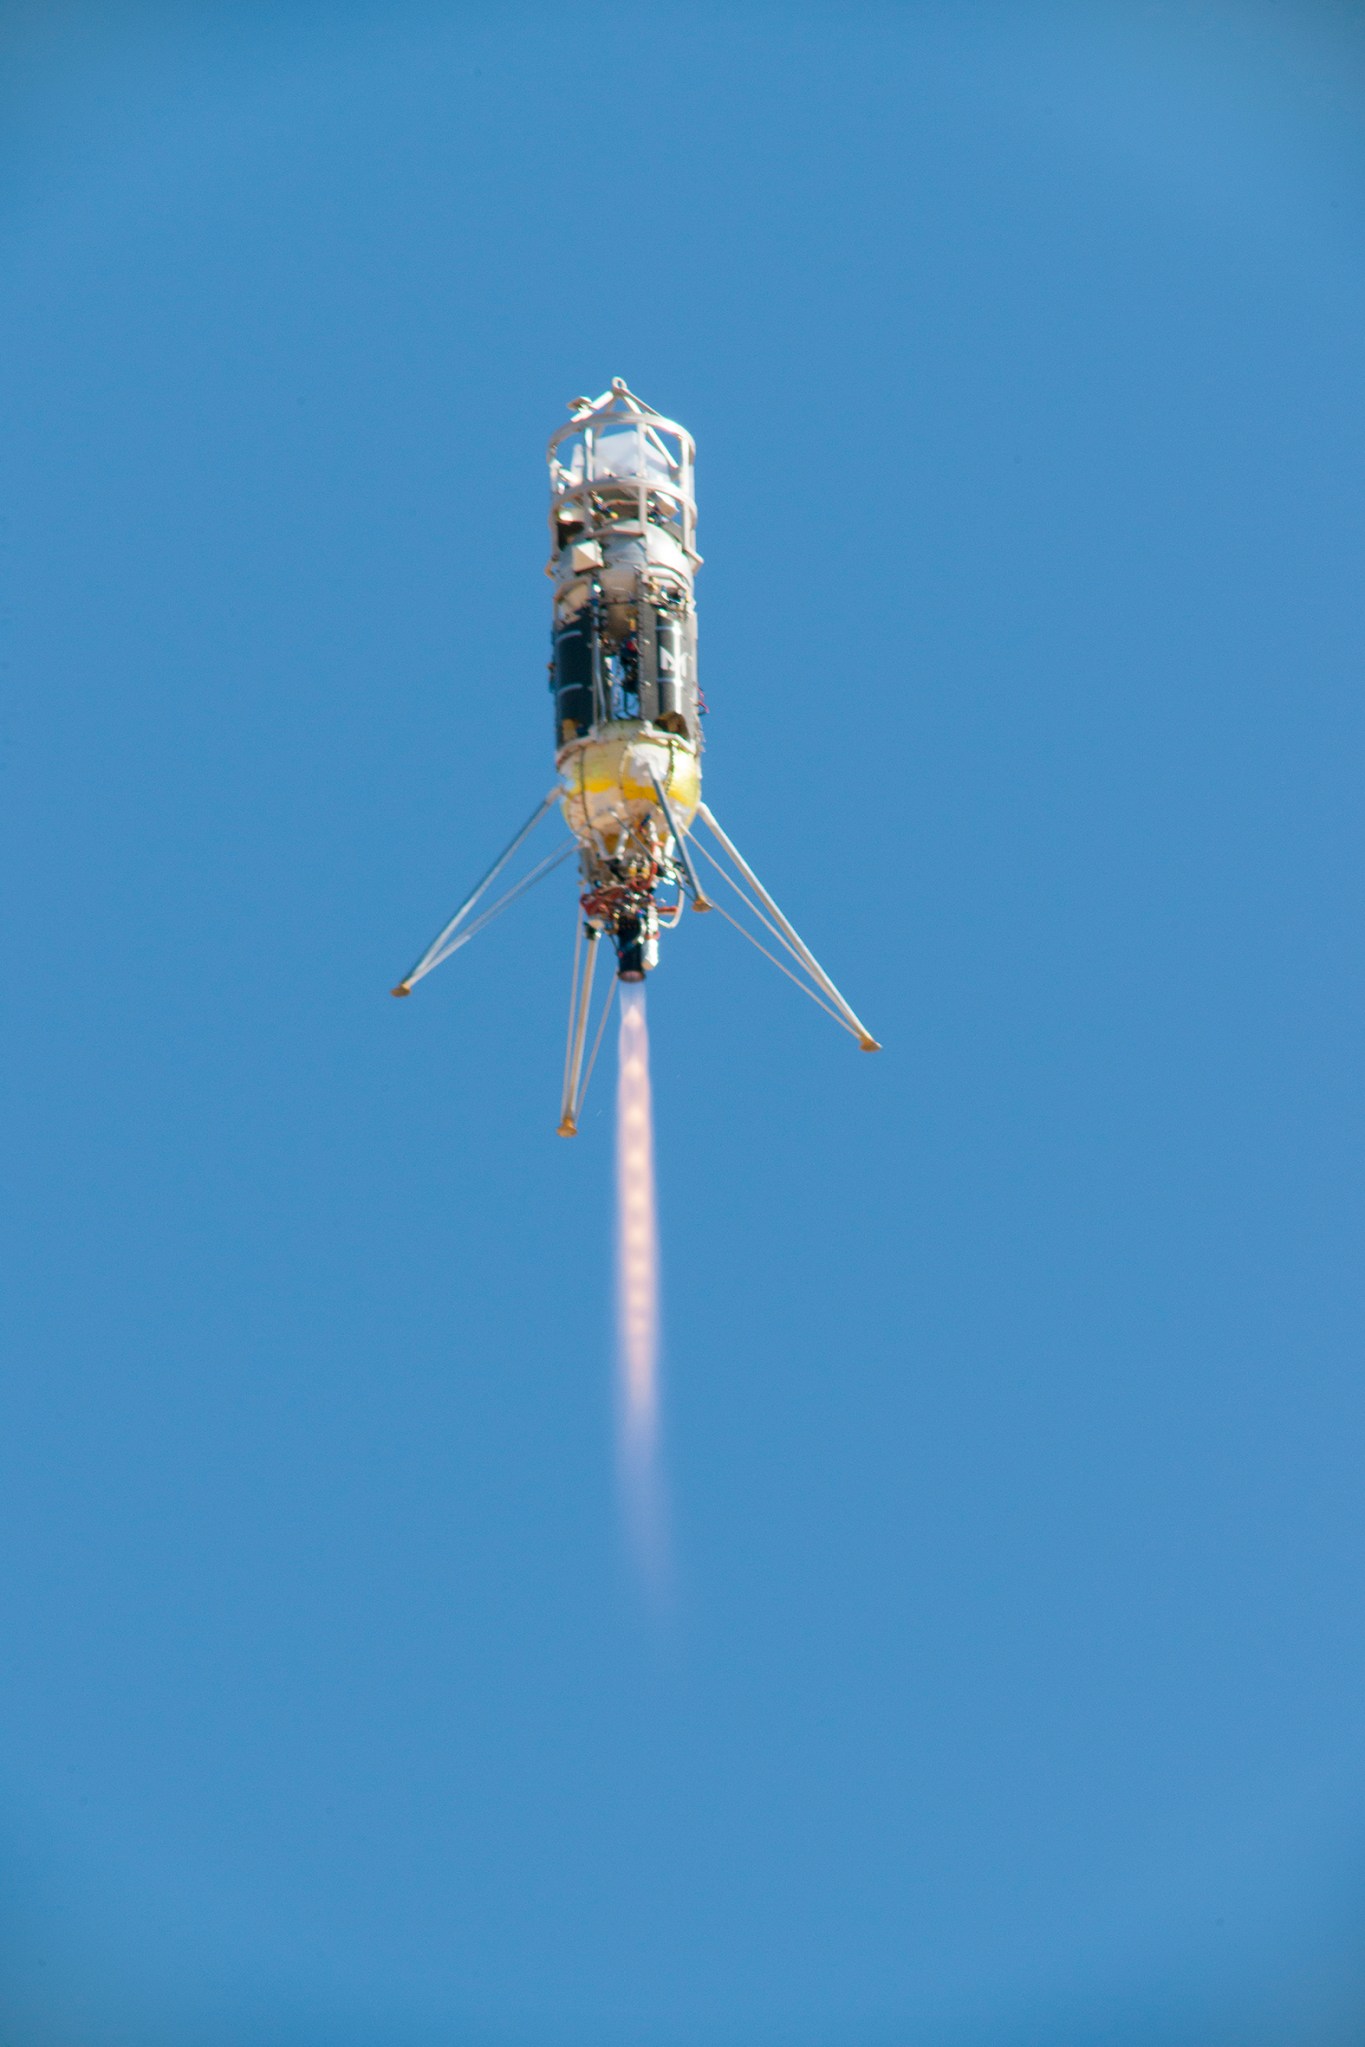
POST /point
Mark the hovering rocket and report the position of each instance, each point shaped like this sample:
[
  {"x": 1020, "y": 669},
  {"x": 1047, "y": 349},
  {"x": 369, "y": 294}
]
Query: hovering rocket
[{"x": 627, "y": 722}]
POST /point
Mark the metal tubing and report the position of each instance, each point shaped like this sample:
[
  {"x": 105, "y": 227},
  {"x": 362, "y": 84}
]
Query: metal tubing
[
  {"x": 504, "y": 902},
  {"x": 798, "y": 945},
  {"x": 431, "y": 957},
  {"x": 580, "y": 1002},
  {"x": 699, "y": 901},
  {"x": 573, "y": 1005}
]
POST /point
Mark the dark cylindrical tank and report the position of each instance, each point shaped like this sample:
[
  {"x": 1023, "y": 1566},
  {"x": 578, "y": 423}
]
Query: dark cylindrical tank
[
  {"x": 671, "y": 641},
  {"x": 572, "y": 677}
]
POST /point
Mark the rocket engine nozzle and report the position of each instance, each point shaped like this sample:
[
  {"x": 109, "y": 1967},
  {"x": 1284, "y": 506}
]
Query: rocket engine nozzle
[
  {"x": 635, "y": 935},
  {"x": 621, "y": 904}
]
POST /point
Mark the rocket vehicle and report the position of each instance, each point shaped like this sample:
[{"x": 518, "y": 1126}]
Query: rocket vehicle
[{"x": 628, "y": 725}]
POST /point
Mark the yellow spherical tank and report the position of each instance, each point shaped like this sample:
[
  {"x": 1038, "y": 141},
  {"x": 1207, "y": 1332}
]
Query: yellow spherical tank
[{"x": 607, "y": 787}]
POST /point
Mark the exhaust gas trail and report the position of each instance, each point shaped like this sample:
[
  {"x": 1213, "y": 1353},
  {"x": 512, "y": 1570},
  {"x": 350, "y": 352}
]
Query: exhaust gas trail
[{"x": 637, "y": 1292}]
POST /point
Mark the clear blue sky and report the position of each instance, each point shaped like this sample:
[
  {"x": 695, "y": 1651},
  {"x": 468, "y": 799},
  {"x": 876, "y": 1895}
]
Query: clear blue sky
[{"x": 1014, "y": 1392}]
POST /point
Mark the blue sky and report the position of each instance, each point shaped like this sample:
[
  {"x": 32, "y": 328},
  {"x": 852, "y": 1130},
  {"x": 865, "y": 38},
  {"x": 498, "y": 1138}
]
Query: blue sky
[{"x": 1013, "y": 1399}]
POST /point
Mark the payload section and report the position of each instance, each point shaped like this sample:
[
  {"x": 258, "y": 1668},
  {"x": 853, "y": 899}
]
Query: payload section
[{"x": 623, "y": 527}]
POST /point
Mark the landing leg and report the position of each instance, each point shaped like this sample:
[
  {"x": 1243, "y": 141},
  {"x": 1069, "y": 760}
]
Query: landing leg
[
  {"x": 442, "y": 944},
  {"x": 699, "y": 901},
  {"x": 790, "y": 938},
  {"x": 580, "y": 998}
]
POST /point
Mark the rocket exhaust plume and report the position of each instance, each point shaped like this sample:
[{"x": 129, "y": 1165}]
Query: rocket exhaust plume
[{"x": 637, "y": 1292}]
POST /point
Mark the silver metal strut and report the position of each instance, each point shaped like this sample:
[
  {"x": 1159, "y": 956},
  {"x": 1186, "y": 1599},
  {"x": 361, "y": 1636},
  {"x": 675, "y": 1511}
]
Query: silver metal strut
[
  {"x": 450, "y": 937},
  {"x": 791, "y": 938},
  {"x": 699, "y": 901},
  {"x": 580, "y": 999}
]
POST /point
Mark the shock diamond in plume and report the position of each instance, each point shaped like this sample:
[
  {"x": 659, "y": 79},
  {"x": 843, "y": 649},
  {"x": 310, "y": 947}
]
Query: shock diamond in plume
[{"x": 637, "y": 1288}]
